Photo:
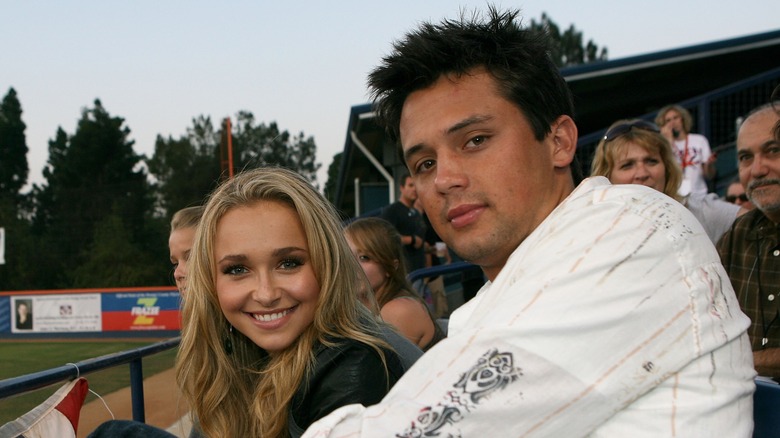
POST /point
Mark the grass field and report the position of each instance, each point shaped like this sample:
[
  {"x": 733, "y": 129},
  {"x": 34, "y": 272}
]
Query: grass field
[{"x": 19, "y": 358}]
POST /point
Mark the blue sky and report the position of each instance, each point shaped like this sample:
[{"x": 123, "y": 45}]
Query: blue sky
[{"x": 303, "y": 64}]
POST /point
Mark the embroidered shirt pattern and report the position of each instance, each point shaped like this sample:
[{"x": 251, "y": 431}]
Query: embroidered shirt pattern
[{"x": 492, "y": 372}]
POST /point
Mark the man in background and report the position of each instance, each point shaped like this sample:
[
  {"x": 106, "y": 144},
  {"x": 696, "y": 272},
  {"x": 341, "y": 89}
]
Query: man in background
[
  {"x": 409, "y": 223},
  {"x": 750, "y": 251},
  {"x": 735, "y": 193}
]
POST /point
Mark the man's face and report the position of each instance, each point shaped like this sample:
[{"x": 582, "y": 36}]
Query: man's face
[
  {"x": 758, "y": 155},
  {"x": 484, "y": 180},
  {"x": 408, "y": 192}
]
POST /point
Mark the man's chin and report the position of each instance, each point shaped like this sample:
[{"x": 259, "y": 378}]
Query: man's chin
[{"x": 770, "y": 207}]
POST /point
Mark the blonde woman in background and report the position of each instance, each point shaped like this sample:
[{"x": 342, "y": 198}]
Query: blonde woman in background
[{"x": 635, "y": 152}]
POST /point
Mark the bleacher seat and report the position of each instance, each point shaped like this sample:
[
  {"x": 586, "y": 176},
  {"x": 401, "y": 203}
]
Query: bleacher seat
[{"x": 766, "y": 410}]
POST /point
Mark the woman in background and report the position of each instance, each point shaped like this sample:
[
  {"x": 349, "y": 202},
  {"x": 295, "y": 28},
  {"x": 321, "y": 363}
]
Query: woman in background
[
  {"x": 377, "y": 246},
  {"x": 183, "y": 225},
  {"x": 635, "y": 152}
]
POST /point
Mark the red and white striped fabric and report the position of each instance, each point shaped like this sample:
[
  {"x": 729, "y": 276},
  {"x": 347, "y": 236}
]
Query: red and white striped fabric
[{"x": 58, "y": 416}]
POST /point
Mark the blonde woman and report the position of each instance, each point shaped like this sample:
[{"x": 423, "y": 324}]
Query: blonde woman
[
  {"x": 377, "y": 246},
  {"x": 274, "y": 337},
  {"x": 635, "y": 152}
]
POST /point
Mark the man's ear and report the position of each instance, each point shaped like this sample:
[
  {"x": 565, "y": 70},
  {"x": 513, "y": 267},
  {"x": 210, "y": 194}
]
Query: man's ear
[{"x": 564, "y": 139}]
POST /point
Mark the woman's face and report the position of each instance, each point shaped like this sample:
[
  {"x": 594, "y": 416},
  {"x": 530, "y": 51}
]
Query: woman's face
[
  {"x": 639, "y": 166},
  {"x": 376, "y": 273},
  {"x": 180, "y": 246},
  {"x": 265, "y": 282}
]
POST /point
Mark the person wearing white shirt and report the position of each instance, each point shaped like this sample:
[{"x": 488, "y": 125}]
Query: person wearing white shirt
[
  {"x": 692, "y": 150},
  {"x": 607, "y": 312}
]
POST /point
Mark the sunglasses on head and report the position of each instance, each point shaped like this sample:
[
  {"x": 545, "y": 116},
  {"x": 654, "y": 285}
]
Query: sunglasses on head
[
  {"x": 623, "y": 128},
  {"x": 733, "y": 198}
]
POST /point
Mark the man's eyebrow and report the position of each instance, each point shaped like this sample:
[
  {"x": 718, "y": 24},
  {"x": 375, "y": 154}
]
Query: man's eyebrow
[
  {"x": 467, "y": 122},
  {"x": 770, "y": 142},
  {"x": 762, "y": 146},
  {"x": 452, "y": 129}
]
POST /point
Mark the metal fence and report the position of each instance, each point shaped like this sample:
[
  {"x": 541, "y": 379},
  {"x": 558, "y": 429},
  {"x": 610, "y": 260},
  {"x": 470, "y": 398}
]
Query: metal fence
[{"x": 41, "y": 379}]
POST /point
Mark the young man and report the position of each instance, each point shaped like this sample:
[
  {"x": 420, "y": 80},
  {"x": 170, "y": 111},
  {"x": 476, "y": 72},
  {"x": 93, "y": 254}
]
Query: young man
[
  {"x": 409, "y": 223},
  {"x": 607, "y": 312},
  {"x": 750, "y": 251}
]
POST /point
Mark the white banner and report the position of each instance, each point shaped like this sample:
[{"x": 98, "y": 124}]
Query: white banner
[{"x": 56, "y": 313}]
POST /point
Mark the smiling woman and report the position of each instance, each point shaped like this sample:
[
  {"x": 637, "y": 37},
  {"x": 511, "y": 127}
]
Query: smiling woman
[
  {"x": 265, "y": 281},
  {"x": 272, "y": 326},
  {"x": 274, "y": 336}
]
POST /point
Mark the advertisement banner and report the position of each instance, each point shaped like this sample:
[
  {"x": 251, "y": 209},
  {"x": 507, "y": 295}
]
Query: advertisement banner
[
  {"x": 141, "y": 311},
  {"x": 56, "y": 313}
]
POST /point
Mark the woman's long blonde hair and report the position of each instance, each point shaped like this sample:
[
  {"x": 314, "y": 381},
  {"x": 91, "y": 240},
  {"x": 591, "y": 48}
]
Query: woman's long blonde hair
[
  {"x": 608, "y": 152},
  {"x": 246, "y": 392}
]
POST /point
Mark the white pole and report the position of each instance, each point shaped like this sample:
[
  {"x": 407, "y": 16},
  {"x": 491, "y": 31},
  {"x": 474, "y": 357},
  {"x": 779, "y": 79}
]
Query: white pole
[{"x": 2, "y": 246}]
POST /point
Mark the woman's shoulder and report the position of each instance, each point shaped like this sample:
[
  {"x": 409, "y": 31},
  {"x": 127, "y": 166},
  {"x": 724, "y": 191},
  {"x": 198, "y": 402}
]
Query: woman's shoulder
[
  {"x": 404, "y": 304},
  {"x": 355, "y": 357},
  {"x": 341, "y": 349},
  {"x": 345, "y": 371}
]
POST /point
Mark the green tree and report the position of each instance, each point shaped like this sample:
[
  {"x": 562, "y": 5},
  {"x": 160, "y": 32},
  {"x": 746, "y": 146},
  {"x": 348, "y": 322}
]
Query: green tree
[
  {"x": 185, "y": 170},
  {"x": 88, "y": 176},
  {"x": 261, "y": 145},
  {"x": 567, "y": 47},
  {"x": 14, "y": 170},
  {"x": 20, "y": 249},
  {"x": 333, "y": 176},
  {"x": 13, "y": 148},
  {"x": 113, "y": 260}
]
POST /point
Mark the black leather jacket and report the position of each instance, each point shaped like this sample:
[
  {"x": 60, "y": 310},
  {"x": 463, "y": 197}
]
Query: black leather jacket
[{"x": 351, "y": 372}]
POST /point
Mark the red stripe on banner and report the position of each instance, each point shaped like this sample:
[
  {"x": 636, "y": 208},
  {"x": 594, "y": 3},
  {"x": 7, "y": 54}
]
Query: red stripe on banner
[
  {"x": 70, "y": 406},
  {"x": 124, "y": 321}
]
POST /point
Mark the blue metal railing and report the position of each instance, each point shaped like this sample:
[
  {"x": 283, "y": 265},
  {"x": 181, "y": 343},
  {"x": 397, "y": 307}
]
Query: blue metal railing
[
  {"x": 439, "y": 270},
  {"x": 31, "y": 382}
]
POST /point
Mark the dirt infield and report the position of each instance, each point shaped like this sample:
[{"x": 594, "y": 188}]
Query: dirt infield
[{"x": 163, "y": 405}]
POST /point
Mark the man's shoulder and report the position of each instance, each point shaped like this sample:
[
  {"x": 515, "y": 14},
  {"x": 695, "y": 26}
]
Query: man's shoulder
[
  {"x": 393, "y": 208},
  {"x": 598, "y": 191},
  {"x": 745, "y": 228},
  {"x": 596, "y": 204},
  {"x": 749, "y": 222}
]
